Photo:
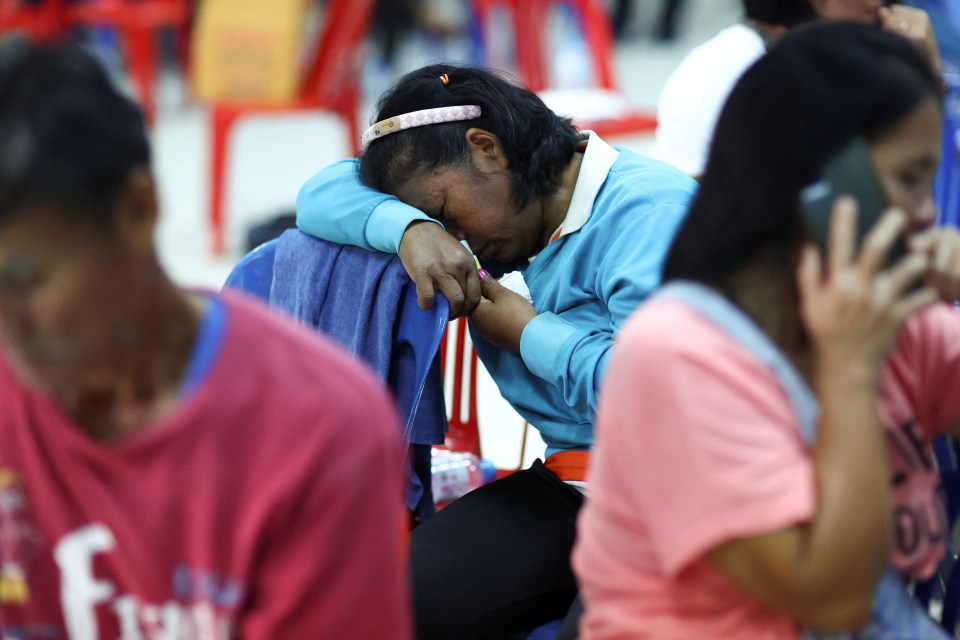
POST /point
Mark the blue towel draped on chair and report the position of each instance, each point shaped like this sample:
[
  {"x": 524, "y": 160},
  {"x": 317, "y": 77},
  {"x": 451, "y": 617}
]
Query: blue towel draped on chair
[{"x": 356, "y": 296}]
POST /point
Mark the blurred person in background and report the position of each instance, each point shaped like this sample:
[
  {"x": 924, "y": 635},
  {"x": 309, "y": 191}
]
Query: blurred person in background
[
  {"x": 461, "y": 154},
  {"x": 764, "y": 459},
  {"x": 394, "y": 19},
  {"x": 691, "y": 100},
  {"x": 172, "y": 463},
  {"x": 666, "y": 28}
]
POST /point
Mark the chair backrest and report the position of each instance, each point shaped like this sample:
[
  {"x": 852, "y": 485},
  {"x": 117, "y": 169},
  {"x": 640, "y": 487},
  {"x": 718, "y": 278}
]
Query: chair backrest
[
  {"x": 578, "y": 82},
  {"x": 333, "y": 75},
  {"x": 254, "y": 273},
  {"x": 592, "y": 27},
  {"x": 422, "y": 330},
  {"x": 146, "y": 14},
  {"x": 41, "y": 21},
  {"x": 528, "y": 20}
]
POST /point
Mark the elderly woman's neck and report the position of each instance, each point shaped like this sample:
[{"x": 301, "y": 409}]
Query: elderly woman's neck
[{"x": 556, "y": 206}]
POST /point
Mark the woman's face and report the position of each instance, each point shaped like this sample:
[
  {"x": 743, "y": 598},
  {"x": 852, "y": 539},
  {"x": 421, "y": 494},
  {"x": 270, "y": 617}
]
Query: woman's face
[
  {"x": 476, "y": 204},
  {"x": 906, "y": 158}
]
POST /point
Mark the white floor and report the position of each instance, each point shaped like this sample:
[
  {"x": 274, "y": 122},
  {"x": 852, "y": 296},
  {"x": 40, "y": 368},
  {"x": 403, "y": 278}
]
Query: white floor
[{"x": 273, "y": 156}]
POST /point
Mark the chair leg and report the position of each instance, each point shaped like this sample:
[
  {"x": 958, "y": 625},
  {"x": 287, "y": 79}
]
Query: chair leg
[
  {"x": 596, "y": 31},
  {"x": 523, "y": 444},
  {"x": 183, "y": 49},
  {"x": 142, "y": 55},
  {"x": 222, "y": 120}
]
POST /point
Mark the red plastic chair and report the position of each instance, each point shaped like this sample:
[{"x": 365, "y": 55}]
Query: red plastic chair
[
  {"x": 464, "y": 430},
  {"x": 532, "y": 57},
  {"x": 332, "y": 83},
  {"x": 464, "y": 433},
  {"x": 41, "y": 21},
  {"x": 137, "y": 22}
]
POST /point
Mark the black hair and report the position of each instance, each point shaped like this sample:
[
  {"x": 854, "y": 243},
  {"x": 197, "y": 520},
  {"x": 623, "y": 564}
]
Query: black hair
[
  {"x": 538, "y": 143},
  {"x": 788, "y": 13},
  {"x": 68, "y": 137},
  {"x": 818, "y": 89}
]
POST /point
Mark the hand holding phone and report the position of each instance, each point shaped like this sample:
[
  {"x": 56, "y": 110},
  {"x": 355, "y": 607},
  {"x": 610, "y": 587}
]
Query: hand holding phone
[
  {"x": 849, "y": 172},
  {"x": 852, "y": 303}
]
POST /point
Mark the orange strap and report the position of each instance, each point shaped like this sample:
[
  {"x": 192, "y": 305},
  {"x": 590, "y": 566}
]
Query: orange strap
[{"x": 569, "y": 465}]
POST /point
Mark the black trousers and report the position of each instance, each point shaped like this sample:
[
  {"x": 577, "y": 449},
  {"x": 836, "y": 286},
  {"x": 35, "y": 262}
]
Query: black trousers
[{"x": 496, "y": 563}]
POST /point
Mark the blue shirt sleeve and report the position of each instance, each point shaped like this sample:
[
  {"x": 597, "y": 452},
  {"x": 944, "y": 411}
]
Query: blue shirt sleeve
[
  {"x": 211, "y": 333},
  {"x": 571, "y": 349},
  {"x": 336, "y": 206}
]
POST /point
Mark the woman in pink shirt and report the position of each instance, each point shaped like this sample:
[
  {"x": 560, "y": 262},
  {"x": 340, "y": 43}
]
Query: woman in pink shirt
[{"x": 763, "y": 465}]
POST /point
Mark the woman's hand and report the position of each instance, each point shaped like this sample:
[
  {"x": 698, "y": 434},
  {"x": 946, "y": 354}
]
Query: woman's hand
[
  {"x": 502, "y": 314},
  {"x": 854, "y": 309},
  {"x": 435, "y": 260},
  {"x": 914, "y": 25},
  {"x": 942, "y": 248}
]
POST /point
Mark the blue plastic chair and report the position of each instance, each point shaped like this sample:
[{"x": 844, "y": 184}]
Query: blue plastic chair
[
  {"x": 947, "y": 188},
  {"x": 422, "y": 330},
  {"x": 254, "y": 273}
]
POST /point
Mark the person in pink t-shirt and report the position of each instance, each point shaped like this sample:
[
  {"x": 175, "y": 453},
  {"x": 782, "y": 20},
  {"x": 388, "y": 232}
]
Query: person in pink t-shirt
[
  {"x": 173, "y": 464},
  {"x": 763, "y": 460}
]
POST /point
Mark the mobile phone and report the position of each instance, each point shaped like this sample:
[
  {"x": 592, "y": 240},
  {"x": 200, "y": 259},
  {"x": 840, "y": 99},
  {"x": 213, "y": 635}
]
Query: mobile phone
[{"x": 849, "y": 172}]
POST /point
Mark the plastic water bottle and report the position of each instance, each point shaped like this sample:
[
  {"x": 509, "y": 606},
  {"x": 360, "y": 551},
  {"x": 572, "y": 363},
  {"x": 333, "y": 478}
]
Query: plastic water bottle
[{"x": 454, "y": 473}]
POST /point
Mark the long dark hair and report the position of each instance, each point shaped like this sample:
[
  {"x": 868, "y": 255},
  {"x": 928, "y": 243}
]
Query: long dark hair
[
  {"x": 538, "y": 143},
  {"x": 819, "y": 88},
  {"x": 788, "y": 13}
]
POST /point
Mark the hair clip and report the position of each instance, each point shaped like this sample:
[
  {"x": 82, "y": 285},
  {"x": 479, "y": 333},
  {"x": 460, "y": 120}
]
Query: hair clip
[{"x": 445, "y": 79}]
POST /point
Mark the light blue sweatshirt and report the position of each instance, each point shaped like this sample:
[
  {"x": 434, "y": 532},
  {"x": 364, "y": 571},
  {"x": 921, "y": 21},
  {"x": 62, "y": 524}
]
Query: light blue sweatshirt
[{"x": 623, "y": 215}]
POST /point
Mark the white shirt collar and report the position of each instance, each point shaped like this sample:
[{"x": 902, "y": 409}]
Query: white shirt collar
[{"x": 597, "y": 160}]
